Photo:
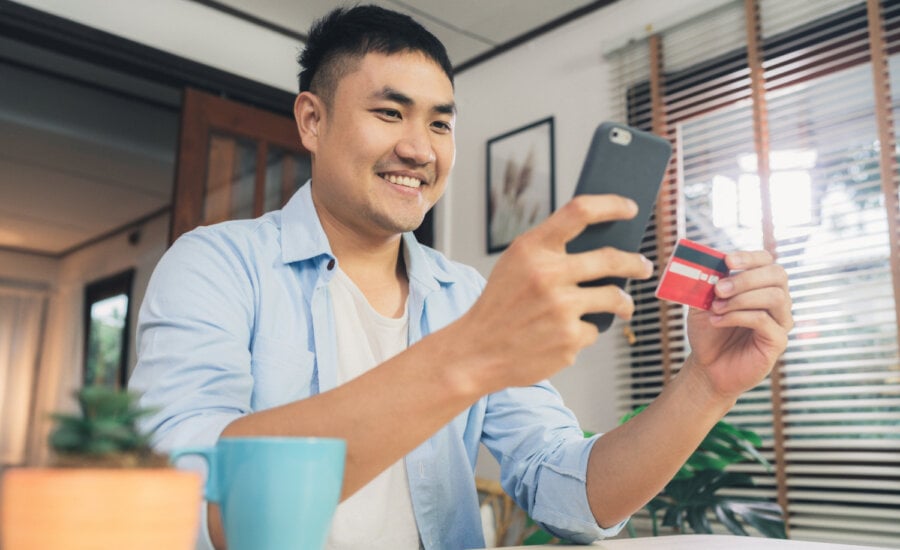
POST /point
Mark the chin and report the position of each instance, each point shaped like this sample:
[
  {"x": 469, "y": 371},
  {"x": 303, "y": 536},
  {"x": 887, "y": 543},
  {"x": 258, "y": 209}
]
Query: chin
[{"x": 395, "y": 226}]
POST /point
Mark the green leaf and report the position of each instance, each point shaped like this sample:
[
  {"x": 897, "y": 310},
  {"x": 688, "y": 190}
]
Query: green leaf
[
  {"x": 750, "y": 449},
  {"x": 632, "y": 414},
  {"x": 632, "y": 532},
  {"x": 729, "y": 520},
  {"x": 672, "y": 517},
  {"x": 63, "y": 439},
  {"x": 707, "y": 462},
  {"x": 100, "y": 447},
  {"x": 698, "y": 520},
  {"x": 107, "y": 424},
  {"x": 763, "y": 516},
  {"x": 723, "y": 449},
  {"x": 537, "y": 538}
]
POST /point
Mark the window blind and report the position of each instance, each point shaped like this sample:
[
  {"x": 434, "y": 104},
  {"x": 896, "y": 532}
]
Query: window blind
[{"x": 830, "y": 414}]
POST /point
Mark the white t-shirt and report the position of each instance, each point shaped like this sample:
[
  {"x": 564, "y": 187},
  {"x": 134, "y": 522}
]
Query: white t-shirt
[{"x": 380, "y": 515}]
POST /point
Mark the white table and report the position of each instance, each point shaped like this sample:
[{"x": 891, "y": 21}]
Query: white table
[{"x": 706, "y": 542}]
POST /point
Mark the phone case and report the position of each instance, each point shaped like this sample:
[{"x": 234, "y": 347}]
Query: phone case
[{"x": 622, "y": 161}]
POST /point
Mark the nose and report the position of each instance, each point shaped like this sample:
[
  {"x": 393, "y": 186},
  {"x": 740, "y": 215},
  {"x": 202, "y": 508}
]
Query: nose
[{"x": 414, "y": 147}]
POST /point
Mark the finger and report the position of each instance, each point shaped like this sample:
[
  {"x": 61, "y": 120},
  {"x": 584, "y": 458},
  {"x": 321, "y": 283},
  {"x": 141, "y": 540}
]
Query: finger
[
  {"x": 757, "y": 277},
  {"x": 760, "y": 322},
  {"x": 569, "y": 221},
  {"x": 607, "y": 262},
  {"x": 773, "y": 300},
  {"x": 748, "y": 259},
  {"x": 605, "y": 299}
]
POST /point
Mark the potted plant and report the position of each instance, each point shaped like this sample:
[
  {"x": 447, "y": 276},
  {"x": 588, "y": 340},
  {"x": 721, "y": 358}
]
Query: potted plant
[{"x": 105, "y": 488}]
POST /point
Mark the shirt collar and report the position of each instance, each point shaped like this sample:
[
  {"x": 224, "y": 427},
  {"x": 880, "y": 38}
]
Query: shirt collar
[{"x": 302, "y": 238}]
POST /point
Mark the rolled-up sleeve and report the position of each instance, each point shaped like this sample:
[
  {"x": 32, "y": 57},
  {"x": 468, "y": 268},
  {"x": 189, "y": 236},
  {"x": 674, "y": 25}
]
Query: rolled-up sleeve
[{"x": 543, "y": 458}]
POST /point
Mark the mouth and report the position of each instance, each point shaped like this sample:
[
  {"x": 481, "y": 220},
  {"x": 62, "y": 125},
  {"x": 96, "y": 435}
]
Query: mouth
[{"x": 405, "y": 181}]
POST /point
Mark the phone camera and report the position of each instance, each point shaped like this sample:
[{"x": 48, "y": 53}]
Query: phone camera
[{"x": 620, "y": 136}]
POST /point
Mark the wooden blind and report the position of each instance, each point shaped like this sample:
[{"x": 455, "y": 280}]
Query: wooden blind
[{"x": 782, "y": 119}]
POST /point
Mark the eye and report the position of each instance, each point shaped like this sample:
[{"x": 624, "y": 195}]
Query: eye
[
  {"x": 442, "y": 126},
  {"x": 393, "y": 114}
]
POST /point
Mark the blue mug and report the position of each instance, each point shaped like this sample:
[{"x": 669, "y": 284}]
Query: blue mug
[{"x": 274, "y": 493}]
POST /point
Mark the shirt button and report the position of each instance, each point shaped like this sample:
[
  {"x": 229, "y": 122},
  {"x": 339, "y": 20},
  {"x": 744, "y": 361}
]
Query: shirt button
[{"x": 330, "y": 264}]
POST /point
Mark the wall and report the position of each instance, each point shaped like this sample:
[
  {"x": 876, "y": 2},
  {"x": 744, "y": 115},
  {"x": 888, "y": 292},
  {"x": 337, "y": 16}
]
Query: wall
[
  {"x": 61, "y": 364},
  {"x": 28, "y": 269}
]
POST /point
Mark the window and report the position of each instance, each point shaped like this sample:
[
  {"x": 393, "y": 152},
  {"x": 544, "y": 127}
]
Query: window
[
  {"x": 107, "y": 306},
  {"x": 785, "y": 140}
]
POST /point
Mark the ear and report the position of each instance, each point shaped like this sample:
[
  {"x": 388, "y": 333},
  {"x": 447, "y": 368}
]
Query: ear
[{"x": 308, "y": 113}]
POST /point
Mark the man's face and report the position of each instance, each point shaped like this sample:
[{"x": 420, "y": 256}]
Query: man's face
[{"x": 385, "y": 146}]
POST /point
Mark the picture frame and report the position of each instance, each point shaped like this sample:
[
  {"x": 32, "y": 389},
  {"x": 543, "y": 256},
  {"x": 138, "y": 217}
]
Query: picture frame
[{"x": 521, "y": 182}]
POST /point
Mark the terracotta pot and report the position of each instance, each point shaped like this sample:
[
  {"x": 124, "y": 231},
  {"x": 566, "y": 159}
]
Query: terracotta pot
[{"x": 97, "y": 509}]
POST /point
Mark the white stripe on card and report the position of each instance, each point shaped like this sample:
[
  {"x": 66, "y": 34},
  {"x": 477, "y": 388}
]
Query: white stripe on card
[{"x": 685, "y": 270}]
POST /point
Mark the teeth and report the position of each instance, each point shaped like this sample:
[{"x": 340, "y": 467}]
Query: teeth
[{"x": 403, "y": 180}]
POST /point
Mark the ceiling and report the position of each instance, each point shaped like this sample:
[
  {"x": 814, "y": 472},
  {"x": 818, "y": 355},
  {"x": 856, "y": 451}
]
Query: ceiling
[
  {"x": 79, "y": 163},
  {"x": 468, "y": 28}
]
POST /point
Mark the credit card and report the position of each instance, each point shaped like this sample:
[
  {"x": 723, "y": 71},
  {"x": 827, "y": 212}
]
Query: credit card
[{"x": 691, "y": 275}]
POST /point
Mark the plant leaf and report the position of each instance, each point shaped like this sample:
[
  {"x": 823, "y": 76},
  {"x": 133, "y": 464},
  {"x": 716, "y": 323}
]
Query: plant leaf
[
  {"x": 537, "y": 538},
  {"x": 729, "y": 520},
  {"x": 764, "y": 516},
  {"x": 698, "y": 521}
]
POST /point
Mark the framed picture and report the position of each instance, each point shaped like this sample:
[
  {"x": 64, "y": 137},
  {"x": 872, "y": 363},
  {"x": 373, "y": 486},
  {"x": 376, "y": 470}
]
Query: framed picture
[{"x": 520, "y": 182}]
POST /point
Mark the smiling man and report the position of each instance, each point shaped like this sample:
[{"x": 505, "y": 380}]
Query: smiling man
[{"x": 327, "y": 318}]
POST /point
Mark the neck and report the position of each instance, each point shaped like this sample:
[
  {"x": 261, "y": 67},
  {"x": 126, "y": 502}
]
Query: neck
[{"x": 375, "y": 264}]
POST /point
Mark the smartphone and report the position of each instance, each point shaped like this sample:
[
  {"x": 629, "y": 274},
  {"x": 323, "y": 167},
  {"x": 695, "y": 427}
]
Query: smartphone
[{"x": 621, "y": 161}]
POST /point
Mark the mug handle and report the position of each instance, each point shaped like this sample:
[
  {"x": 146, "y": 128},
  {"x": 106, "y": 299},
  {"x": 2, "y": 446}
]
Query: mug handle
[{"x": 211, "y": 489}]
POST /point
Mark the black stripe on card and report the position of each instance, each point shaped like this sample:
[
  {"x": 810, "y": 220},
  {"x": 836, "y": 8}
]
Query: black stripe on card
[{"x": 698, "y": 257}]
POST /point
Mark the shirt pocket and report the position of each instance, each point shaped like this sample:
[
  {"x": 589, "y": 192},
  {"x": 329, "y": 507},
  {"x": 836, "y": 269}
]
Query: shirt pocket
[{"x": 282, "y": 372}]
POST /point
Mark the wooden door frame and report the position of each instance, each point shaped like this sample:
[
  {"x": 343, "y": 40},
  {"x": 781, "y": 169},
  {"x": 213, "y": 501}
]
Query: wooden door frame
[{"x": 200, "y": 113}]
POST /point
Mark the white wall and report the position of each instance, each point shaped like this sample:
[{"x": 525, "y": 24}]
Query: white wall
[
  {"x": 31, "y": 269},
  {"x": 61, "y": 363}
]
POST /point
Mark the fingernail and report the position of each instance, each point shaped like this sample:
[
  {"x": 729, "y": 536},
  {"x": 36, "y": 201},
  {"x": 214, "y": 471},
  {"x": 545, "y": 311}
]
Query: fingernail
[
  {"x": 737, "y": 260},
  {"x": 633, "y": 205},
  {"x": 725, "y": 286}
]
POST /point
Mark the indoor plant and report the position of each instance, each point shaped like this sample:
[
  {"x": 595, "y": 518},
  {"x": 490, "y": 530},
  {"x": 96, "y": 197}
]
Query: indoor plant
[
  {"x": 105, "y": 488},
  {"x": 694, "y": 491}
]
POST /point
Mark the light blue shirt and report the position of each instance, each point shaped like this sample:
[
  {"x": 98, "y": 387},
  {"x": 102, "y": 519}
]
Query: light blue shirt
[{"x": 237, "y": 318}]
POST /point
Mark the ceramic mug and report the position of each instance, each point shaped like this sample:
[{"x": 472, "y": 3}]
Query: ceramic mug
[{"x": 274, "y": 493}]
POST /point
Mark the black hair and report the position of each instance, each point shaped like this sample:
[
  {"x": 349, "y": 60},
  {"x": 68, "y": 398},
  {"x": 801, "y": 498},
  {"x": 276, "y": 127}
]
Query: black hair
[{"x": 348, "y": 34}]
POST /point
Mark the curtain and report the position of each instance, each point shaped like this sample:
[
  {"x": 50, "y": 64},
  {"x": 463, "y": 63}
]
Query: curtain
[
  {"x": 21, "y": 324},
  {"x": 782, "y": 118}
]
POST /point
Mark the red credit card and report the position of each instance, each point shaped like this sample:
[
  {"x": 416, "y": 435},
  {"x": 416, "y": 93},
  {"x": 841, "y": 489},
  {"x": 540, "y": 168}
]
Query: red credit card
[{"x": 691, "y": 275}]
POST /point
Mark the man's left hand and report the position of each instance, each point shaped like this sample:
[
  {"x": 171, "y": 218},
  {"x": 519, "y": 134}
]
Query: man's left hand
[{"x": 736, "y": 343}]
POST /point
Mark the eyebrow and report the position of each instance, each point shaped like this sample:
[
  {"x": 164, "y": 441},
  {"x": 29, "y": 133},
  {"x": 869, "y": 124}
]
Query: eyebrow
[{"x": 396, "y": 96}]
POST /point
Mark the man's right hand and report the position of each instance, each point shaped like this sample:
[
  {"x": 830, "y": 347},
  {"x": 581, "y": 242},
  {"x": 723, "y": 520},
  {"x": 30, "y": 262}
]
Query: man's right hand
[{"x": 527, "y": 324}]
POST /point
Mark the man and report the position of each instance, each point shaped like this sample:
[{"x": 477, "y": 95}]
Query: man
[{"x": 328, "y": 319}]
